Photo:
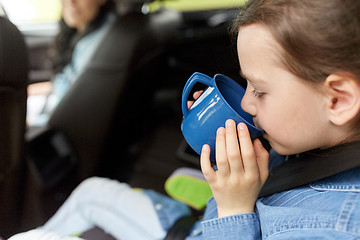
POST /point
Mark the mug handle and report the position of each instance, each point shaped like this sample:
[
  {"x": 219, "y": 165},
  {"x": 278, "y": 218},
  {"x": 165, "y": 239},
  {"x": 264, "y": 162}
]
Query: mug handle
[{"x": 196, "y": 77}]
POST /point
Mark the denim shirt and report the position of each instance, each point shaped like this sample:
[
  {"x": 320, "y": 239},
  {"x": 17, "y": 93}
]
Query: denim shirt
[{"x": 326, "y": 209}]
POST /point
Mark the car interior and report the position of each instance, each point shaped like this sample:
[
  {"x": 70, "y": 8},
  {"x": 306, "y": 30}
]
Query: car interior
[{"x": 121, "y": 119}]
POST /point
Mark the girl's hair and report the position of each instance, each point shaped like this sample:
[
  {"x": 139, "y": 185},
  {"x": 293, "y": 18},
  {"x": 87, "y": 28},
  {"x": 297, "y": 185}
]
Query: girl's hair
[
  {"x": 68, "y": 37},
  {"x": 319, "y": 37}
]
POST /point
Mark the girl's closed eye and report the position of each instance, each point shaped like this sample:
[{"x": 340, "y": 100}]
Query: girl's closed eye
[{"x": 257, "y": 94}]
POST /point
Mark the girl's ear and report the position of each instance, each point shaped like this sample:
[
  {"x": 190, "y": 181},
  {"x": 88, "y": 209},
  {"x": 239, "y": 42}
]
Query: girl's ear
[{"x": 343, "y": 91}]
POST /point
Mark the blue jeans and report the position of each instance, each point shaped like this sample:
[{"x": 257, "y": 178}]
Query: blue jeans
[{"x": 116, "y": 208}]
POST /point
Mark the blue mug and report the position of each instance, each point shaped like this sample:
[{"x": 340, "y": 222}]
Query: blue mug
[{"x": 219, "y": 102}]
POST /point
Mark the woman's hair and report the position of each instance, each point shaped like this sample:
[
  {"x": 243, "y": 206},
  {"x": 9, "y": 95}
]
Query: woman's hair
[
  {"x": 68, "y": 37},
  {"x": 319, "y": 37}
]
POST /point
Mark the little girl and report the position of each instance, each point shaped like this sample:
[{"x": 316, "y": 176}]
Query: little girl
[{"x": 301, "y": 59}]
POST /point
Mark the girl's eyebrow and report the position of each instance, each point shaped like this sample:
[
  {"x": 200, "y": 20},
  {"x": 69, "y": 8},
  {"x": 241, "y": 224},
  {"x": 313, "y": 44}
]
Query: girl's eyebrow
[
  {"x": 242, "y": 74},
  {"x": 250, "y": 79}
]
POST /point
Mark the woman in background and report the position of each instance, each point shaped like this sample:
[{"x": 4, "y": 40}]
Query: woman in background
[{"x": 83, "y": 25}]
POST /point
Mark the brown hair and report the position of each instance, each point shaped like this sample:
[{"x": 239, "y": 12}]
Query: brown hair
[{"x": 319, "y": 37}]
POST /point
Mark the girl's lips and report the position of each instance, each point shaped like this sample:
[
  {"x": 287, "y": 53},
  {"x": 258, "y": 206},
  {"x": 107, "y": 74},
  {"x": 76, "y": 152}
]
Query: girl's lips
[{"x": 257, "y": 125}]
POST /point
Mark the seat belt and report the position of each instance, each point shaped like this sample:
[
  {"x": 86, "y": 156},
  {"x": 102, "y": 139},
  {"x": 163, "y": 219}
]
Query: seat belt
[
  {"x": 312, "y": 166},
  {"x": 181, "y": 228}
]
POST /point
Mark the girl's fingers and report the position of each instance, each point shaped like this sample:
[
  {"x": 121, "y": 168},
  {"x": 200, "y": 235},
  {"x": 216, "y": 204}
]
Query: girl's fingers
[
  {"x": 232, "y": 147},
  {"x": 247, "y": 150},
  {"x": 262, "y": 157},
  {"x": 197, "y": 94},
  {"x": 190, "y": 103},
  {"x": 220, "y": 152},
  {"x": 205, "y": 163}
]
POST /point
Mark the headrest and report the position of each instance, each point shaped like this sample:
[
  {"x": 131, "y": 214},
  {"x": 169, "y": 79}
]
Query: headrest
[{"x": 13, "y": 56}]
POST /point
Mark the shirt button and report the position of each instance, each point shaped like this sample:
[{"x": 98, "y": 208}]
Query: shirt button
[{"x": 158, "y": 206}]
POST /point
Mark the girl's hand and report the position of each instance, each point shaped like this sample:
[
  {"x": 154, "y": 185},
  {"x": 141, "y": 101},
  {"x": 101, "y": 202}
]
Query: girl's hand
[
  {"x": 242, "y": 169},
  {"x": 196, "y": 95}
]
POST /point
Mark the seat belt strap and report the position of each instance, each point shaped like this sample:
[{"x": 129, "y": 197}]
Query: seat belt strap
[
  {"x": 181, "y": 228},
  {"x": 312, "y": 166}
]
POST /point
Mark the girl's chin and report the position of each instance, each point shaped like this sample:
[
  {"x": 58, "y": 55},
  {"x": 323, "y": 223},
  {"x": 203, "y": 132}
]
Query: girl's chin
[
  {"x": 283, "y": 150},
  {"x": 280, "y": 149},
  {"x": 267, "y": 137}
]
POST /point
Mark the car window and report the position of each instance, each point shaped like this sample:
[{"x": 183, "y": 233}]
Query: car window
[
  {"x": 31, "y": 11},
  {"x": 40, "y": 17},
  {"x": 34, "y": 17},
  {"x": 195, "y": 5}
]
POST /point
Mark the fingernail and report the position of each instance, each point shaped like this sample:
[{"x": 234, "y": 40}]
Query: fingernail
[
  {"x": 229, "y": 122},
  {"x": 242, "y": 126},
  {"x": 221, "y": 130},
  {"x": 205, "y": 147}
]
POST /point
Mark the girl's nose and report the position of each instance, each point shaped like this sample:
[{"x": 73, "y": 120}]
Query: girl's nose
[{"x": 247, "y": 103}]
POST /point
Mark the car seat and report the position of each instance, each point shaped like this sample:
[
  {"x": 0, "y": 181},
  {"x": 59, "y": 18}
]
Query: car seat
[
  {"x": 102, "y": 114},
  {"x": 13, "y": 84}
]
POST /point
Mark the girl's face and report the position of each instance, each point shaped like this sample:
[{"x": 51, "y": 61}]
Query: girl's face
[
  {"x": 79, "y": 13},
  {"x": 292, "y": 111}
]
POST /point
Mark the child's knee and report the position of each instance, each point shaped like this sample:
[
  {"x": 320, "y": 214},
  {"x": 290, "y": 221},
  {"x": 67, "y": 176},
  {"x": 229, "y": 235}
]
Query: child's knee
[{"x": 89, "y": 185}]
